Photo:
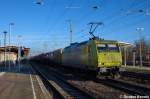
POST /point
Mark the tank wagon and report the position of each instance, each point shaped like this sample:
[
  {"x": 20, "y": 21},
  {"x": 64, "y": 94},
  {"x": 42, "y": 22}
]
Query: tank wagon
[
  {"x": 56, "y": 56},
  {"x": 95, "y": 55}
]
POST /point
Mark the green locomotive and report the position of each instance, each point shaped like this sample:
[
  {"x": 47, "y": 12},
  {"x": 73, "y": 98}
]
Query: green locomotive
[{"x": 95, "y": 55}]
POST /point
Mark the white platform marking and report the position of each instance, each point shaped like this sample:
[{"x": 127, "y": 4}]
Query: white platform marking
[
  {"x": 2, "y": 73},
  {"x": 33, "y": 90}
]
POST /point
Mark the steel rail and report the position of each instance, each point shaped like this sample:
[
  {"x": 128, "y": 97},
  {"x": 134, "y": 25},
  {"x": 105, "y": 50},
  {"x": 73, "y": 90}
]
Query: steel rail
[
  {"x": 64, "y": 89},
  {"x": 126, "y": 86},
  {"x": 143, "y": 76}
]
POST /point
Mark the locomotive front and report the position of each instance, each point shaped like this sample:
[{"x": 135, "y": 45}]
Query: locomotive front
[{"x": 109, "y": 56}]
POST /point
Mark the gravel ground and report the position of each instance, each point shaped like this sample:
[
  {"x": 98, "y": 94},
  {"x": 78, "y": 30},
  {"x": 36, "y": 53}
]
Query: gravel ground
[{"x": 98, "y": 90}]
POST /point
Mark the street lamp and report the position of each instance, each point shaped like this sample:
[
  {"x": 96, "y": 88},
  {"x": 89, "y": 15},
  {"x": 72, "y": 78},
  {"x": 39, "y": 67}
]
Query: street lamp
[
  {"x": 19, "y": 38},
  {"x": 71, "y": 31},
  {"x": 39, "y": 2},
  {"x": 5, "y": 34},
  {"x": 10, "y": 25},
  {"x": 139, "y": 31}
]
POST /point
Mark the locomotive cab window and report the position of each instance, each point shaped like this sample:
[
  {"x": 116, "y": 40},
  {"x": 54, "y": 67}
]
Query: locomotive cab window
[
  {"x": 113, "y": 48},
  {"x": 102, "y": 48}
]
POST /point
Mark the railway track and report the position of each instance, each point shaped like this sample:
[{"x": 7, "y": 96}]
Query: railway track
[
  {"x": 123, "y": 86},
  {"x": 131, "y": 88},
  {"x": 60, "y": 87},
  {"x": 142, "y": 76},
  {"x": 136, "y": 77},
  {"x": 102, "y": 91}
]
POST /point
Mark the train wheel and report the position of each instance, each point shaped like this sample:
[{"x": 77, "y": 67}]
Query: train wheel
[{"x": 116, "y": 75}]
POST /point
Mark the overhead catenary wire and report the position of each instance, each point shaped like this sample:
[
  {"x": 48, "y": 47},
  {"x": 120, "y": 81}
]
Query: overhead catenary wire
[
  {"x": 109, "y": 19},
  {"x": 59, "y": 19},
  {"x": 120, "y": 17}
]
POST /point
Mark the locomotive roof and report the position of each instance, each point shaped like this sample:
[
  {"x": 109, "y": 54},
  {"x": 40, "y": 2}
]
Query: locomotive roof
[
  {"x": 107, "y": 41},
  {"x": 85, "y": 42}
]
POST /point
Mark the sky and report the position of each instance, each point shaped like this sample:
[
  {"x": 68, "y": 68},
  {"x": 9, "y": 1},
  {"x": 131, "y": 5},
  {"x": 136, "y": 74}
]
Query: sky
[{"x": 45, "y": 27}]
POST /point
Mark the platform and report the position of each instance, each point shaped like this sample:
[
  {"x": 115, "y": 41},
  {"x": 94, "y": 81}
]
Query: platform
[{"x": 21, "y": 84}]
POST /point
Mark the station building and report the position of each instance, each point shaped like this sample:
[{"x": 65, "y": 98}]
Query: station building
[{"x": 14, "y": 53}]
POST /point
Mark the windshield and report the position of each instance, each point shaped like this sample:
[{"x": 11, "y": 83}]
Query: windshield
[
  {"x": 102, "y": 48},
  {"x": 113, "y": 48},
  {"x": 107, "y": 48}
]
